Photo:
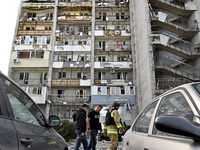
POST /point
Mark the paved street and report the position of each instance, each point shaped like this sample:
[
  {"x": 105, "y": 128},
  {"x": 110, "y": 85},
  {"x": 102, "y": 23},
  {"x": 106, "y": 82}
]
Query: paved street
[{"x": 101, "y": 145}]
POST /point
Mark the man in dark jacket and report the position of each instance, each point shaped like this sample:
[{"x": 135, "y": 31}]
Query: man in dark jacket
[{"x": 81, "y": 128}]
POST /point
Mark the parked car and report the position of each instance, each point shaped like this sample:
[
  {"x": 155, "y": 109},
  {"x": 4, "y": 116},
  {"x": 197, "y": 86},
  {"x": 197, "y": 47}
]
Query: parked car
[
  {"x": 170, "y": 121},
  {"x": 22, "y": 123}
]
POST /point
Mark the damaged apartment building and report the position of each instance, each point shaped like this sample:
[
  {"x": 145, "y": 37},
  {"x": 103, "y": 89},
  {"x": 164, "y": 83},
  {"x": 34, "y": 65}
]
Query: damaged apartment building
[{"x": 69, "y": 52}]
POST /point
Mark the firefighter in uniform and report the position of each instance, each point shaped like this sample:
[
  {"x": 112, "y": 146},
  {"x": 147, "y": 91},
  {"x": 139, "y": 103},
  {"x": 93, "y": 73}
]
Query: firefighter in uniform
[{"x": 112, "y": 124}]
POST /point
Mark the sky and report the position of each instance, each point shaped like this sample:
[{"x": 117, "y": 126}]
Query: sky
[{"x": 8, "y": 16}]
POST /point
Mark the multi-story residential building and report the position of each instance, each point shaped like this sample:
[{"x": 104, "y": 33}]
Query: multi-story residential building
[{"x": 69, "y": 52}]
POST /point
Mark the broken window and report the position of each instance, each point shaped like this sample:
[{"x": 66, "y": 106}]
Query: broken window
[
  {"x": 36, "y": 54},
  {"x": 24, "y": 76},
  {"x": 102, "y": 58},
  {"x": 62, "y": 58},
  {"x": 61, "y": 75},
  {"x": 43, "y": 77},
  {"x": 61, "y": 93},
  {"x": 102, "y": 76},
  {"x": 122, "y": 75}
]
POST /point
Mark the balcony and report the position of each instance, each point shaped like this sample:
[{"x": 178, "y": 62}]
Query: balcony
[
  {"x": 76, "y": 4},
  {"x": 33, "y": 47},
  {"x": 179, "y": 25},
  {"x": 174, "y": 45},
  {"x": 111, "y": 82},
  {"x": 75, "y": 48},
  {"x": 39, "y": 4},
  {"x": 112, "y": 33},
  {"x": 177, "y": 68},
  {"x": 119, "y": 47},
  {"x": 178, "y": 7},
  {"x": 71, "y": 64},
  {"x": 69, "y": 99},
  {"x": 31, "y": 82},
  {"x": 111, "y": 3},
  {"x": 113, "y": 18},
  {"x": 70, "y": 82},
  {"x": 113, "y": 65},
  {"x": 73, "y": 18},
  {"x": 74, "y": 33},
  {"x": 23, "y": 63},
  {"x": 165, "y": 84},
  {"x": 34, "y": 32}
]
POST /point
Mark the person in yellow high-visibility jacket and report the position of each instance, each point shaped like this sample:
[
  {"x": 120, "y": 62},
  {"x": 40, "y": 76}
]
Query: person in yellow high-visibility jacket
[{"x": 112, "y": 124}]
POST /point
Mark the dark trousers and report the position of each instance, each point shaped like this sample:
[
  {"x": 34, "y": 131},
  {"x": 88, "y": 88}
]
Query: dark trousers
[
  {"x": 81, "y": 139},
  {"x": 93, "y": 140}
]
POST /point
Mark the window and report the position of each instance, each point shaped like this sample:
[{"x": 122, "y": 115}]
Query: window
[
  {"x": 102, "y": 75},
  {"x": 122, "y": 75},
  {"x": 117, "y": 16},
  {"x": 62, "y": 58},
  {"x": 142, "y": 123},
  {"x": 122, "y": 15},
  {"x": 174, "y": 104},
  {"x": 23, "y": 107},
  {"x": 61, "y": 94},
  {"x": 24, "y": 76},
  {"x": 101, "y": 45},
  {"x": 102, "y": 58},
  {"x": 43, "y": 77},
  {"x": 35, "y": 90},
  {"x": 61, "y": 75},
  {"x": 81, "y": 93},
  {"x": 36, "y": 54}
]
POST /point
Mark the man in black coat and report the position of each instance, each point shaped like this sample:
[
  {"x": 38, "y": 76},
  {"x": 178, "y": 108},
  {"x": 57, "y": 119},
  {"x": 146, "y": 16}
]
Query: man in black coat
[{"x": 81, "y": 128}]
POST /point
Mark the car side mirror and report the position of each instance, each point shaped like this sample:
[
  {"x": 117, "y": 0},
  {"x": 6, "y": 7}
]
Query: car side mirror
[
  {"x": 54, "y": 121},
  {"x": 178, "y": 125}
]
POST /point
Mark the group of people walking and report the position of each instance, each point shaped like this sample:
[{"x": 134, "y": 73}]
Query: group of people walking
[{"x": 90, "y": 125}]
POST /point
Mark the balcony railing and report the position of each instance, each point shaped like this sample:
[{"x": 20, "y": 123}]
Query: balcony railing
[
  {"x": 70, "y": 82},
  {"x": 113, "y": 47},
  {"x": 178, "y": 67},
  {"x": 31, "y": 82},
  {"x": 34, "y": 32},
  {"x": 125, "y": 18},
  {"x": 70, "y": 99},
  {"x": 164, "y": 84},
  {"x": 127, "y": 81},
  {"x": 45, "y": 4},
  {"x": 177, "y": 21},
  {"x": 74, "y": 18},
  {"x": 111, "y": 3},
  {"x": 76, "y": 3}
]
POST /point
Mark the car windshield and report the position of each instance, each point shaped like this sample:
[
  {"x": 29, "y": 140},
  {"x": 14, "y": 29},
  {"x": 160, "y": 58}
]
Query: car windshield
[{"x": 197, "y": 87}]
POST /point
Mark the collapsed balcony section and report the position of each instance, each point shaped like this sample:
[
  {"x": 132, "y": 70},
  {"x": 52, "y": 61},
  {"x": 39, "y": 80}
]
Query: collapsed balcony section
[
  {"x": 184, "y": 27},
  {"x": 112, "y": 3},
  {"x": 74, "y": 14},
  {"x": 179, "y": 7}
]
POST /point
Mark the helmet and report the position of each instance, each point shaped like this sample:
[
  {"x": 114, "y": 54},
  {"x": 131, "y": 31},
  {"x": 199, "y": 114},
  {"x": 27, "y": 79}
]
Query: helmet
[{"x": 115, "y": 105}]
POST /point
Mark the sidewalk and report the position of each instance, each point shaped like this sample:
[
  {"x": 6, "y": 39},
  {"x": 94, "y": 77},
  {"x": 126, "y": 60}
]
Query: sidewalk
[{"x": 101, "y": 145}]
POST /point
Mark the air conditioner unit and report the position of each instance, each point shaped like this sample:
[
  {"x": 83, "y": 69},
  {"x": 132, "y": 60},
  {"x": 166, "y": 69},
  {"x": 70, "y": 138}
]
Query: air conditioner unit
[
  {"x": 16, "y": 61},
  {"x": 112, "y": 71}
]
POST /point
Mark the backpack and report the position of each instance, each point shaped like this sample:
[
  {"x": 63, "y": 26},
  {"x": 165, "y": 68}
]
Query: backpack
[
  {"x": 109, "y": 120},
  {"x": 74, "y": 117}
]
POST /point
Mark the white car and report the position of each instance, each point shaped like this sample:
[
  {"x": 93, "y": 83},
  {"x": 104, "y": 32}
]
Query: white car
[{"x": 170, "y": 121}]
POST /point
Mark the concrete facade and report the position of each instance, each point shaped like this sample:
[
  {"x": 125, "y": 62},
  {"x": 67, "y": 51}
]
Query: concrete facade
[{"x": 98, "y": 52}]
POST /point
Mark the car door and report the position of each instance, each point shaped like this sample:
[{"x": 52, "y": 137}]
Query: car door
[
  {"x": 28, "y": 120},
  {"x": 134, "y": 138},
  {"x": 178, "y": 104},
  {"x": 8, "y": 135}
]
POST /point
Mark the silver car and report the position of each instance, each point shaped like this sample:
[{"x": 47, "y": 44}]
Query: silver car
[{"x": 170, "y": 121}]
